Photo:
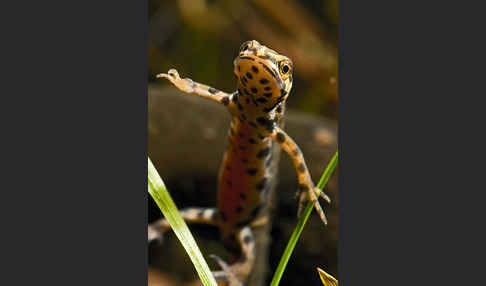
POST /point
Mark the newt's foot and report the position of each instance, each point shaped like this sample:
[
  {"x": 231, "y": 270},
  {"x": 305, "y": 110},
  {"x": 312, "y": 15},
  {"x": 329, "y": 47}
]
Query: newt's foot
[
  {"x": 313, "y": 195},
  {"x": 156, "y": 230},
  {"x": 231, "y": 275},
  {"x": 184, "y": 84},
  {"x": 154, "y": 237},
  {"x": 237, "y": 273}
]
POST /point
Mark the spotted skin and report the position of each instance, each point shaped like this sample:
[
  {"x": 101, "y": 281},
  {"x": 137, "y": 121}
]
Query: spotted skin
[{"x": 264, "y": 79}]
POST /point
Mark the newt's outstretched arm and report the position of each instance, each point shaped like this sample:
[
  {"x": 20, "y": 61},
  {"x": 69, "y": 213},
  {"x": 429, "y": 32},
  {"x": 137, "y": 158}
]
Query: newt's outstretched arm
[{"x": 189, "y": 86}]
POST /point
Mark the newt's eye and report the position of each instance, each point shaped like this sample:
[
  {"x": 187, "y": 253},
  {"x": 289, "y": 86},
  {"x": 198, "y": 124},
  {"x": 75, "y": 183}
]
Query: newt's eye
[{"x": 285, "y": 68}]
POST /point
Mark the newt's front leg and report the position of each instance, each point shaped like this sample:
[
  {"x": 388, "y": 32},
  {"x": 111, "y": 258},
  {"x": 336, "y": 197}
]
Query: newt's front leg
[
  {"x": 189, "y": 86},
  {"x": 307, "y": 190}
]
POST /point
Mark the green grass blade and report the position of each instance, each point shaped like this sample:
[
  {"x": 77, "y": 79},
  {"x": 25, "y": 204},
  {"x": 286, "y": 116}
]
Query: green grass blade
[
  {"x": 161, "y": 196},
  {"x": 301, "y": 223}
]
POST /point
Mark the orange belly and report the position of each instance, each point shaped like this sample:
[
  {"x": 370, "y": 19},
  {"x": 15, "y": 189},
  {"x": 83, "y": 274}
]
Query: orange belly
[{"x": 245, "y": 179}]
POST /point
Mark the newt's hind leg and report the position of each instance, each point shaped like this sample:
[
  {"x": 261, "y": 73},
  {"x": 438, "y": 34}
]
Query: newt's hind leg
[
  {"x": 237, "y": 273},
  {"x": 230, "y": 275},
  {"x": 157, "y": 229}
]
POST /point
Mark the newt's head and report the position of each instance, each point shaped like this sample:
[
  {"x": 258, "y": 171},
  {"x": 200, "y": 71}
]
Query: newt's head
[{"x": 263, "y": 75}]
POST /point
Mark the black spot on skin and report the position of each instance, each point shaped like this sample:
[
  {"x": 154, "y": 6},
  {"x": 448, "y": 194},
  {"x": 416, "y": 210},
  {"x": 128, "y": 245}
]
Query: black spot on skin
[
  {"x": 243, "y": 196},
  {"x": 261, "y": 136},
  {"x": 252, "y": 141},
  {"x": 247, "y": 100},
  {"x": 266, "y": 110},
  {"x": 239, "y": 209},
  {"x": 267, "y": 94},
  {"x": 254, "y": 69},
  {"x": 261, "y": 100},
  {"x": 261, "y": 185},
  {"x": 240, "y": 107},
  {"x": 235, "y": 98},
  {"x": 267, "y": 88},
  {"x": 247, "y": 239},
  {"x": 252, "y": 171},
  {"x": 268, "y": 124},
  {"x": 249, "y": 76},
  {"x": 253, "y": 124},
  {"x": 254, "y": 90},
  {"x": 243, "y": 81},
  {"x": 279, "y": 109},
  {"x": 223, "y": 216},
  {"x": 264, "y": 81},
  {"x": 301, "y": 167},
  {"x": 239, "y": 68},
  {"x": 263, "y": 153},
  {"x": 225, "y": 100},
  {"x": 262, "y": 121},
  {"x": 246, "y": 91},
  {"x": 213, "y": 90},
  {"x": 283, "y": 92},
  {"x": 280, "y": 137}
]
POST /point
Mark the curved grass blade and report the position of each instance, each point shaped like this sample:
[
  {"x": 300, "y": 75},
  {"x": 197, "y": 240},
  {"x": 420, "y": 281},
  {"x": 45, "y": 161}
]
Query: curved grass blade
[
  {"x": 301, "y": 223},
  {"x": 161, "y": 196},
  {"x": 327, "y": 279}
]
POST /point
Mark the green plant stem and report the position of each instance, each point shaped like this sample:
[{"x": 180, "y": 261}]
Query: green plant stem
[
  {"x": 161, "y": 196},
  {"x": 301, "y": 223}
]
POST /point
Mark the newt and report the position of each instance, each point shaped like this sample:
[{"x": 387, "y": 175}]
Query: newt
[{"x": 264, "y": 80}]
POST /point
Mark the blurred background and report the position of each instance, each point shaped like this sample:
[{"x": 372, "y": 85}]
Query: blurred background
[{"x": 200, "y": 38}]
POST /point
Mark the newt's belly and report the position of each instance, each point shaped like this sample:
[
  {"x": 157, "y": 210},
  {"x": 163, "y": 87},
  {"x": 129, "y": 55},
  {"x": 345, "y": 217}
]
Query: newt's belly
[{"x": 245, "y": 180}]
